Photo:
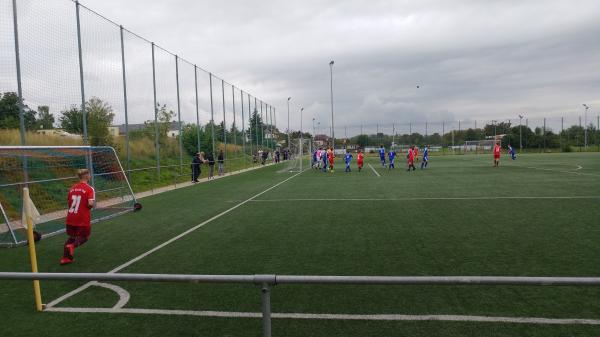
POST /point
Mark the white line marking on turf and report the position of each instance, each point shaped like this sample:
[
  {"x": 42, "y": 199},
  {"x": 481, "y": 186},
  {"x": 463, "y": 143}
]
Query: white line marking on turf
[
  {"x": 356, "y": 317},
  {"x": 579, "y": 167},
  {"x": 424, "y": 198},
  {"x": 134, "y": 260},
  {"x": 123, "y": 294},
  {"x": 374, "y": 171},
  {"x": 561, "y": 171}
]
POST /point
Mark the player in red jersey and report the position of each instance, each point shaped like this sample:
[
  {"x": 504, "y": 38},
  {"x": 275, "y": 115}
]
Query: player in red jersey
[
  {"x": 411, "y": 158},
  {"x": 416, "y": 153},
  {"x": 330, "y": 156},
  {"x": 497, "y": 155},
  {"x": 80, "y": 201},
  {"x": 360, "y": 160}
]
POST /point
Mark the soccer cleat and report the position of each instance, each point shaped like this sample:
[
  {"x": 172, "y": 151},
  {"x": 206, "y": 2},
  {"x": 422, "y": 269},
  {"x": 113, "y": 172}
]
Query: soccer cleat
[{"x": 65, "y": 260}]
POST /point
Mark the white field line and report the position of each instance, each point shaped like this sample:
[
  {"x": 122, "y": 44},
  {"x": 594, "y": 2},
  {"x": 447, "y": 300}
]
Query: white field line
[
  {"x": 134, "y": 260},
  {"x": 426, "y": 198},
  {"x": 560, "y": 171},
  {"x": 374, "y": 171},
  {"x": 353, "y": 317},
  {"x": 579, "y": 167},
  {"x": 123, "y": 294}
]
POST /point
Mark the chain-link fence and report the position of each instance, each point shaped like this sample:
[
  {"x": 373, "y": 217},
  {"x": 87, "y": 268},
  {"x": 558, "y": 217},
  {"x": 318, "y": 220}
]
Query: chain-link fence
[{"x": 69, "y": 76}]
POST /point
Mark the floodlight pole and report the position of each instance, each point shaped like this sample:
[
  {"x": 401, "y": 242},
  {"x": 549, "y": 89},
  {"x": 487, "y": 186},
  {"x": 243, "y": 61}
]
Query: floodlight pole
[
  {"x": 520, "y": 133},
  {"x": 585, "y": 143},
  {"x": 288, "y": 126},
  {"x": 331, "y": 90},
  {"x": 301, "y": 138}
]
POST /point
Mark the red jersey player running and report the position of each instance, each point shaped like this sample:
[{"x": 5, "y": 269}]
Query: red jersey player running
[
  {"x": 497, "y": 155},
  {"x": 80, "y": 200},
  {"x": 411, "y": 158},
  {"x": 360, "y": 160}
]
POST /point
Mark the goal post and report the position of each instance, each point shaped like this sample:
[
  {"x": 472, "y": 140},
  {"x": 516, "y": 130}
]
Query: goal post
[
  {"x": 298, "y": 149},
  {"x": 479, "y": 146},
  {"x": 48, "y": 172}
]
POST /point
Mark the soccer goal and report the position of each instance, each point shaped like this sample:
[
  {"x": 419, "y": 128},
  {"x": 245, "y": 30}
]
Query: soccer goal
[
  {"x": 479, "y": 146},
  {"x": 49, "y": 172},
  {"x": 298, "y": 150}
]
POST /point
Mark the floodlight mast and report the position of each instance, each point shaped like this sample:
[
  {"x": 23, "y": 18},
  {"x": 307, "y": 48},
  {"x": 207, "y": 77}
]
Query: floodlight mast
[
  {"x": 301, "y": 139},
  {"x": 585, "y": 142},
  {"x": 331, "y": 91},
  {"x": 288, "y": 126},
  {"x": 520, "y": 133}
]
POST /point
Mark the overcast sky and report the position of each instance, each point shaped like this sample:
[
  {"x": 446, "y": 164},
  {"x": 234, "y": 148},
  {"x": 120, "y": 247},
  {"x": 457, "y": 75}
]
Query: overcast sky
[{"x": 472, "y": 59}]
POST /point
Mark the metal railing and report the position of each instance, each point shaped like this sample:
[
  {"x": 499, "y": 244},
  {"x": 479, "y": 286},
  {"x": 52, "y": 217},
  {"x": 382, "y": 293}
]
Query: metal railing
[{"x": 266, "y": 282}]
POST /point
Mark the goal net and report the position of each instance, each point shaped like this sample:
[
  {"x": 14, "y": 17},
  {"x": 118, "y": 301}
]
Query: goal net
[
  {"x": 479, "y": 146},
  {"x": 298, "y": 151},
  {"x": 49, "y": 172}
]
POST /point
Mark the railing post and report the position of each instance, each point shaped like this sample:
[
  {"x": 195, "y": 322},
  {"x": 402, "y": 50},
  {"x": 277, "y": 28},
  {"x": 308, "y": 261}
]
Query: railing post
[
  {"x": 265, "y": 297},
  {"x": 127, "y": 150}
]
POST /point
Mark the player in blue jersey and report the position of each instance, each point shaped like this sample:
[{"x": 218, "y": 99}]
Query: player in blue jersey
[
  {"x": 425, "y": 157},
  {"x": 324, "y": 158},
  {"x": 511, "y": 152},
  {"x": 391, "y": 157},
  {"x": 347, "y": 159},
  {"x": 382, "y": 155}
]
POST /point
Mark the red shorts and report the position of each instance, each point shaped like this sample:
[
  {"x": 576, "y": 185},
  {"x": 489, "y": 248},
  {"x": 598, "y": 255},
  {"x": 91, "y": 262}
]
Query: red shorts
[
  {"x": 84, "y": 231},
  {"x": 360, "y": 164},
  {"x": 410, "y": 162},
  {"x": 496, "y": 156}
]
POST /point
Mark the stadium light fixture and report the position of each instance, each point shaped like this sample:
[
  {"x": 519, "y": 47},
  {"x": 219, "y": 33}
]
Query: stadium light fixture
[{"x": 585, "y": 144}]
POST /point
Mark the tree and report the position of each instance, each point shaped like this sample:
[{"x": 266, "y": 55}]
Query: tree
[
  {"x": 163, "y": 117},
  {"x": 72, "y": 120},
  {"x": 362, "y": 140},
  {"x": 255, "y": 128},
  {"x": 99, "y": 117},
  {"x": 9, "y": 113},
  {"x": 45, "y": 119}
]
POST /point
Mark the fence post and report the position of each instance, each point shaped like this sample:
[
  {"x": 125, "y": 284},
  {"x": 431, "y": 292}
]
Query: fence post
[
  {"x": 262, "y": 126},
  {"x": 85, "y": 132},
  {"x": 224, "y": 125},
  {"x": 243, "y": 128},
  {"x": 234, "y": 128},
  {"x": 20, "y": 93},
  {"x": 265, "y": 292},
  {"x": 156, "y": 143},
  {"x": 212, "y": 115},
  {"x": 256, "y": 125},
  {"x": 125, "y": 101},
  {"x": 179, "y": 116},
  {"x": 197, "y": 109},
  {"x": 18, "y": 66}
]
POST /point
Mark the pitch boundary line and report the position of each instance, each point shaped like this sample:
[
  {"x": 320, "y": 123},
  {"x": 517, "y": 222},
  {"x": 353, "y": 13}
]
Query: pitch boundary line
[
  {"x": 374, "y": 171},
  {"x": 425, "y": 198},
  {"x": 324, "y": 316},
  {"x": 175, "y": 238}
]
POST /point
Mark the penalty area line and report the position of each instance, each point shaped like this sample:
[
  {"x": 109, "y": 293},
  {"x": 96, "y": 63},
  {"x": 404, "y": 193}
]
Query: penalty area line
[
  {"x": 162, "y": 245},
  {"x": 324, "y": 316},
  {"x": 374, "y": 171}
]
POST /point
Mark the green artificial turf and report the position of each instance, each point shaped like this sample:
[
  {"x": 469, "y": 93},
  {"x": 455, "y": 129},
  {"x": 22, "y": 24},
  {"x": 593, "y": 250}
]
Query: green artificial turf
[{"x": 445, "y": 220}]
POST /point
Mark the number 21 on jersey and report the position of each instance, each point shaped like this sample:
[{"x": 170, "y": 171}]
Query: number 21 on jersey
[{"x": 75, "y": 201}]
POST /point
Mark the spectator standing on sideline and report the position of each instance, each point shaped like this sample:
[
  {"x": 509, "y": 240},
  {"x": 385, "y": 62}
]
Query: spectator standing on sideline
[
  {"x": 221, "y": 162},
  {"x": 196, "y": 162},
  {"x": 265, "y": 154},
  {"x": 211, "y": 166}
]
